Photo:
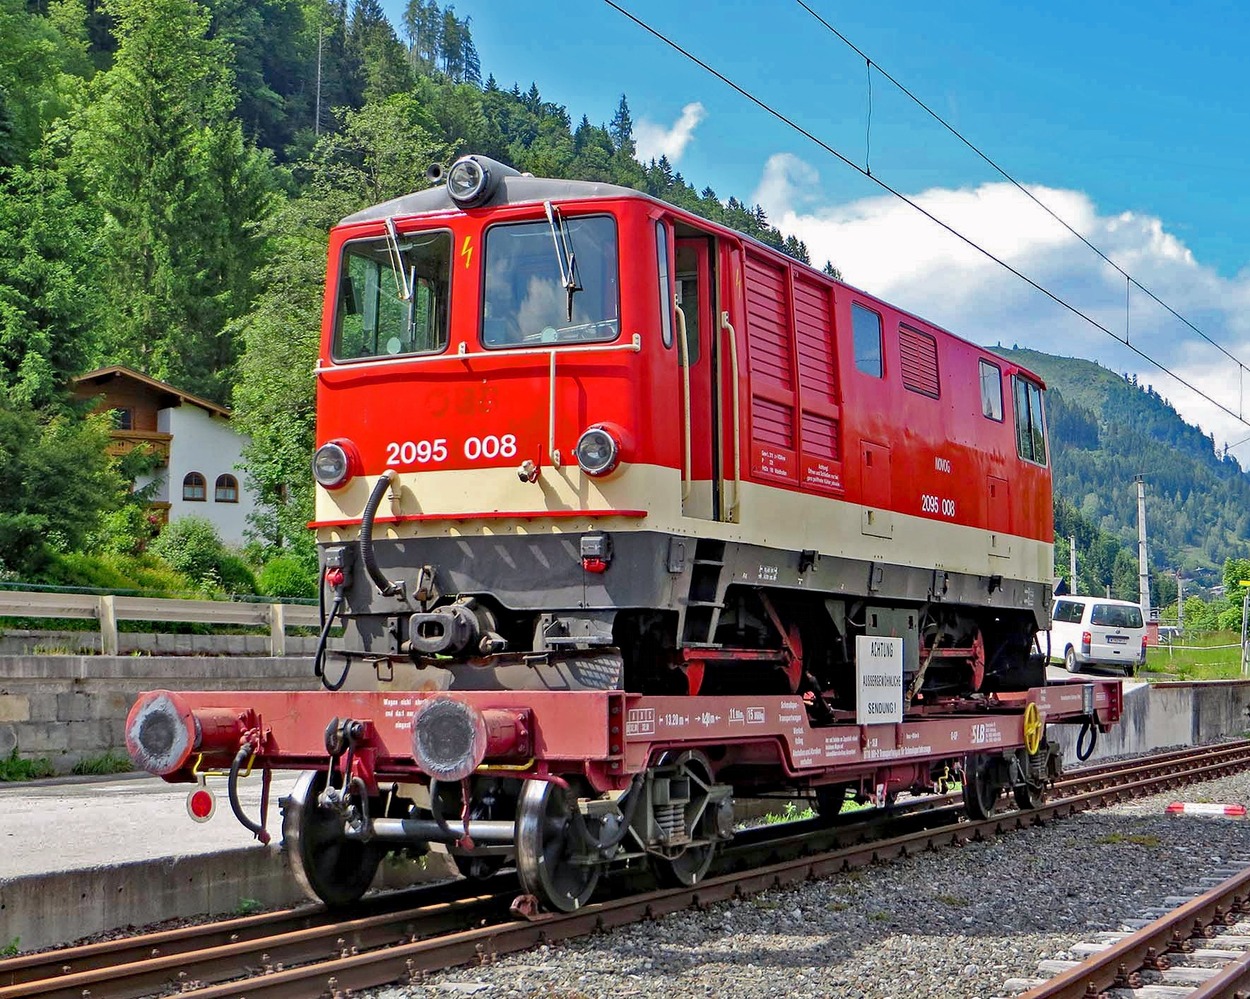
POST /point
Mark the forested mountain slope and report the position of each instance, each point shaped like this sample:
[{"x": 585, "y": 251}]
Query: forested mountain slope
[{"x": 1106, "y": 429}]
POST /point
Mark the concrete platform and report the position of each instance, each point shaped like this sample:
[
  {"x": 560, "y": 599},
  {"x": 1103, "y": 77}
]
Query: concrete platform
[{"x": 80, "y": 857}]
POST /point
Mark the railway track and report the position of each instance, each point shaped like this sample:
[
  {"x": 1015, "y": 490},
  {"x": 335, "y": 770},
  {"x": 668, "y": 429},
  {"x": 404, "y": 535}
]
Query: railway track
[
  {"x": 309, "y": 951},
  {"x": 1199, "y": 950}
]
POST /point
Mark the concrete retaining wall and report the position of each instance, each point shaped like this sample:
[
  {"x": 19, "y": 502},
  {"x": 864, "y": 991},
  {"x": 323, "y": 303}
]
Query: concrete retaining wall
[
  {"x": 1161, "y": 715},
  {"x": 46, "y": 910},
  {"x": 69, "y": 707}
]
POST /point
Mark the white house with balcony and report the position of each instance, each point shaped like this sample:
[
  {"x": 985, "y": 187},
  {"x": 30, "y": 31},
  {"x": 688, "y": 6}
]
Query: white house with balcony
[{"x": 201, "y": 470}]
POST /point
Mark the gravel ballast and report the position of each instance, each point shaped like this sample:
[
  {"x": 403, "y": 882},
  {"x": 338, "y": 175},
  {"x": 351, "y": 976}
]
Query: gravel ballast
[{"x": 955, "y": 922}]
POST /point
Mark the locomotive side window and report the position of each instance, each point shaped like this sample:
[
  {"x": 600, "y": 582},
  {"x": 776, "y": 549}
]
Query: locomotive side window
[
  {"x": 666, "y": 284},
  {"x": 866, "y": 330},
  {"x": 1030, "y": 429},
  {"x": 529, "y": 295},
  {"x": 374, "y": 319},
  {"x": 991, "y": 391}
]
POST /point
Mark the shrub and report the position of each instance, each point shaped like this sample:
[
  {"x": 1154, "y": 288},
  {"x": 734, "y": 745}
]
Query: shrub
[
  {"x": 236, "y": 575},
  {"x": 191, "y": 545},
  {"x": 286, "y": 576}
]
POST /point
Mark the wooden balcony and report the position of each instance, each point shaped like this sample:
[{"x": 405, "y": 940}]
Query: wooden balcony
[{"x": 125, "y": 441}]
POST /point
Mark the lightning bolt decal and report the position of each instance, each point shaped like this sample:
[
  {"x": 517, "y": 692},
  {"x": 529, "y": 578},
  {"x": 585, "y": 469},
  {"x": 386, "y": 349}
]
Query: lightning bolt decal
[{"x": 466, "y": 251}]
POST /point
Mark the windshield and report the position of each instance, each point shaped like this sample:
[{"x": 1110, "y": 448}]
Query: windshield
[
  {"x": 526, "y": 298},
  {"x": 374, "y": 319}
]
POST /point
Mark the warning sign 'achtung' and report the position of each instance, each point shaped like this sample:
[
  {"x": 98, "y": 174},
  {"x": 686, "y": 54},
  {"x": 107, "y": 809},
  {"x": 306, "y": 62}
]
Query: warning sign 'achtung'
[{"x": 879, "y": 680}]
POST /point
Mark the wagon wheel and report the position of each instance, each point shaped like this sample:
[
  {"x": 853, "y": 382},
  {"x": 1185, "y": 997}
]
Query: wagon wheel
[
  {"x": 554, "y": 862},
  {"x": 687, "y": 867},
  {"x": 327, "y": 865},
  {"x": 980, "y": 790},
  {"x": 1027, "y": 793}
]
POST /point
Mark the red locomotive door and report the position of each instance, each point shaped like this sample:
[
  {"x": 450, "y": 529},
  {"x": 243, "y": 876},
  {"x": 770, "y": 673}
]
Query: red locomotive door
[{"x": 701, "y": 495}]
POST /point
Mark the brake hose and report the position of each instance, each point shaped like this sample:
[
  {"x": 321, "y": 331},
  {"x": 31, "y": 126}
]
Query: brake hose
[
  {"x": 319, "y": 658},
  {"x": 1087, "y": 728},
  {"x": 232, "y": 792}
]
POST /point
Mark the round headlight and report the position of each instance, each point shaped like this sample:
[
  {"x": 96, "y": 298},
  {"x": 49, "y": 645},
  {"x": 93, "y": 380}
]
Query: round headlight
[
  {"x": 597, "y": 451},
  {"x": 331, "y": 466},
  {"x": 467, "y": 181}
]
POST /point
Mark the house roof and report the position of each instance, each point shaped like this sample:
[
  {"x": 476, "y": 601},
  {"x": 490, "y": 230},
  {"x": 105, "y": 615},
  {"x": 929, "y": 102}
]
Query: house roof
[{"x": 100, "y": 379}]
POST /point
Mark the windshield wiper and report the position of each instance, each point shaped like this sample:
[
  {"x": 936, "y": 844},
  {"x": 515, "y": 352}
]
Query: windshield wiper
[
  {"x": 566, "y": 256},
  {"x": 402, "y": 288}
]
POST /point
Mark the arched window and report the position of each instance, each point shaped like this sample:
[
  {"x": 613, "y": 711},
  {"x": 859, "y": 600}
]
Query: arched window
[
  {"x": 194, "y": 488},
  {"x": 226, "y": 490}
]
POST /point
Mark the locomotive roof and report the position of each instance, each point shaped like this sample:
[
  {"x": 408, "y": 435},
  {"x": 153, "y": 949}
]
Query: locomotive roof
[
  {"x": 523, "y": 189},
  {"x": 512, "y": 191}
]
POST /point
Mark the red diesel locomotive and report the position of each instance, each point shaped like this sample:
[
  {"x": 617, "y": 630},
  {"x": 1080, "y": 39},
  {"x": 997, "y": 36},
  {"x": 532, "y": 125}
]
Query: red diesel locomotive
[{"x": 623, "y": 514}]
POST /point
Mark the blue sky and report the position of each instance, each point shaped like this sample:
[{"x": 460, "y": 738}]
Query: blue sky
[{"x": 1131, "y": 121}]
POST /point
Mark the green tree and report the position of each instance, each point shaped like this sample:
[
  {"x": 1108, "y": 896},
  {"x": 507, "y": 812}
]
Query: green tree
[
  {"x": 46, "y": 327},
  {"x": 179, "y": 194},
  {"x": 56, "y": 483}
]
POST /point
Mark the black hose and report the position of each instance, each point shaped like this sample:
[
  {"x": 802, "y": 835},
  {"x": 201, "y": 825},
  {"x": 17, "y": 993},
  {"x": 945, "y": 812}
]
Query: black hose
[
  {"x": 1087, "y": 728},
  {"x": 232, "y": 792},
  {"x": 633, "y": 796},
  {"x": 319, "y": 658},
  {"x": 436, "y": 809},
  {"x": 366, "y": 537}
]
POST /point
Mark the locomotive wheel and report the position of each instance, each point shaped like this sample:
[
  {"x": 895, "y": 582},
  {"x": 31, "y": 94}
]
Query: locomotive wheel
[
  {"x": 980, "y": 791},
  {"x": 829, "y": 799},
  {"x": 688, "y": 867},
  {"x": 553, "y": 862},
  {"x": 327, "y": 865}
]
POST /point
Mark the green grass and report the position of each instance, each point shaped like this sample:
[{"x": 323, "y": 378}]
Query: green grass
[
  {"x": 1200, "y": 658},
  {"x": 11, "y": 948},
  {"x": 791, "y": 813},
  {"x": 17, "y": 769},
  {"x": 1113, "y": 839},
  {"x": 108, "y": 762}
]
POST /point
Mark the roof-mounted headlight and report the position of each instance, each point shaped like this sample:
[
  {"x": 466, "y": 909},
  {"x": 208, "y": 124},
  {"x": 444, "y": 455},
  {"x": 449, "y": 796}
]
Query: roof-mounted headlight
[
  {"x": 334, "y": 463},
  {"x": 473, "y": 179}
]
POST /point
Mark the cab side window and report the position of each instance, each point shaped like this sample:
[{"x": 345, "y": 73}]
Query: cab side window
[
  {"x": 866, "y": 333},
  {"x": 1030, "y": 424}
]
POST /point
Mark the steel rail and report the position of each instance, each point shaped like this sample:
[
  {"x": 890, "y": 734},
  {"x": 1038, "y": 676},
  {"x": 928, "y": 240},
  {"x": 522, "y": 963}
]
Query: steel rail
[
  {"x": 1120, "y": 965},
  {"x": 176, "y": 964}
]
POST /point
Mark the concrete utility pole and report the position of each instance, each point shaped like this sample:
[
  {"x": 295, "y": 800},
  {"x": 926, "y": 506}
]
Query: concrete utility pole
[
  {"x": 1072, "y": 573},
  {"x": 1180, "y": 603},
  {"x": 1143, "y": 574}
]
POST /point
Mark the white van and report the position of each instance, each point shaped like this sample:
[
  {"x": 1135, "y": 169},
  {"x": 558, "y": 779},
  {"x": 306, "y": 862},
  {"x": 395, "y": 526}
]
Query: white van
[{"x": 1096, "y": 630}]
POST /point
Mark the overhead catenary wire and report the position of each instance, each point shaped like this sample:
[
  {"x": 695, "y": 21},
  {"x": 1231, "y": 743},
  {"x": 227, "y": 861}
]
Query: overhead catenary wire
[
  {"x": 1063, "y": 303},
  {"x": 1023, "y": 190}
]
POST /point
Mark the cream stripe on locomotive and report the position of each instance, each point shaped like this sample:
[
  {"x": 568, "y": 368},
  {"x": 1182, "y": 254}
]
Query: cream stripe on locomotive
[{"x": 487, "y": 502}]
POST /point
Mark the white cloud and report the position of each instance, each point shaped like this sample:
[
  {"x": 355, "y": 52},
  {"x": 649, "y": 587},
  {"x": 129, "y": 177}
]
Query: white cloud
[
  {"x": 889, "y": 249},
  {"x": 653, "y": 141}
]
